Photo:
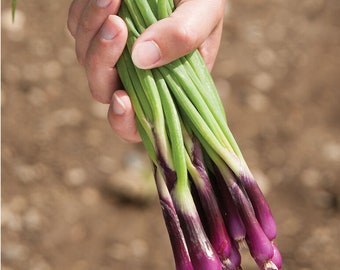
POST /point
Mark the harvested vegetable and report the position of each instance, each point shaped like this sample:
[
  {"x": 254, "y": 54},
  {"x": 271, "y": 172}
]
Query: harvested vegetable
[{"x": 211, "y": 202}]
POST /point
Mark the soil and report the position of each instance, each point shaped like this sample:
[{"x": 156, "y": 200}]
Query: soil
[{"x": 65, "y": 174}]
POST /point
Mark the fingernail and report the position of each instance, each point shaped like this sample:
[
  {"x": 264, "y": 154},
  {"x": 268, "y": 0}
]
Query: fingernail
[
  {"x": 146, "y": 54},
  {"x": 107, "y": 32},
  {"x": 103, "y": 3},
  {"x": 118, "y": 106}
]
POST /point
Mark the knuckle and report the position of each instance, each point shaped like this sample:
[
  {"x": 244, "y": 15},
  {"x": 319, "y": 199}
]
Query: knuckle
[
  {"x": 99, "y": 98},
  {"x": 97, "y": 92},
  {"x": 86, "y": 26},
  {"x": 187, "y": 37}
]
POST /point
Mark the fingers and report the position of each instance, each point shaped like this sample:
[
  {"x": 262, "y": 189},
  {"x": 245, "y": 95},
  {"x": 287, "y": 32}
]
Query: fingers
[
  {"x": 102, "y": 56},
  {"x": 210, "y": 46},
  {"x": 121, "y": 117},
  {"x": 91, "y": 19},
  {"x": 185, "y": 30},
  {"x": 74, "y": 14},
  {"x": 100, "y": 39}
]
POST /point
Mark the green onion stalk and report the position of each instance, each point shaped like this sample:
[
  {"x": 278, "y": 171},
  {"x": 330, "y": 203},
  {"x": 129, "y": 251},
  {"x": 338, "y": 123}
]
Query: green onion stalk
[
  {"x": 210, "y": 200},
  {"x": 14, "y": 7}
]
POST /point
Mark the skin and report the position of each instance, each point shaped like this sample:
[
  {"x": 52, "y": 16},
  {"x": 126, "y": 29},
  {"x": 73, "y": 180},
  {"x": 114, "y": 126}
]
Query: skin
[{"x": 100, "y": 37}]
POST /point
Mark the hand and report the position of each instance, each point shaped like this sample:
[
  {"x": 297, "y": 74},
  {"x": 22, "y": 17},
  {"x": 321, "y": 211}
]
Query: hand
[{"x": 100, "y": 38}]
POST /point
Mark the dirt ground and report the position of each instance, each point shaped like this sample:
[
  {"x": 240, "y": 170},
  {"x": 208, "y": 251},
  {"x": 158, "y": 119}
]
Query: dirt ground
[{"x": 65, "y": 173}]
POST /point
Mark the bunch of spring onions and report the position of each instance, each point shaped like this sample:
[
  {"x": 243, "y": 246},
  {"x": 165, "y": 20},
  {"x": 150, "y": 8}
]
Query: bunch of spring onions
[{"x": 211, "y": 202}]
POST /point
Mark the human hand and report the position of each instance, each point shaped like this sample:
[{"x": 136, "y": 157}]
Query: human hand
[{"x": 100, "y": 38}]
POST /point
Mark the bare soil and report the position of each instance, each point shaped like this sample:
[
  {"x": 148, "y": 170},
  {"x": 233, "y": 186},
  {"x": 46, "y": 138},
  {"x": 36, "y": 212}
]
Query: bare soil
[{"x": 65, "y": 173}]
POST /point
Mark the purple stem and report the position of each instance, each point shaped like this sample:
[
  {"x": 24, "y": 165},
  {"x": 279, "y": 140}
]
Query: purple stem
[
  {"x": 232, "y": 217},
  {"x": 260, "y": 205},
  {"x": 177, "y": 240},
  {"x": 277, "y": 258},
  {"x": 202, "y": 254},
  {"x": 234, "y": 261},
  {"x": 169, "y": 174},
  {"x": 259, "y": 245},
  {"x": 275, "y": 263},
  {"x": 216, "y": 228}
]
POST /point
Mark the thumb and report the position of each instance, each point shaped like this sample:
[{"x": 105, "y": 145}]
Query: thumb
[{"x": 182, "y": 32}]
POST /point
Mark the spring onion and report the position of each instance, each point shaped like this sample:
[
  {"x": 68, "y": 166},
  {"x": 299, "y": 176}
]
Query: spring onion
[{"x": 210, "y": 200}]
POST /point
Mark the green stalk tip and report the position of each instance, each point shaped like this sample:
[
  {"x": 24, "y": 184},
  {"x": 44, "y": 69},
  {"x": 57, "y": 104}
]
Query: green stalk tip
[{"x": 14, "y": 7}]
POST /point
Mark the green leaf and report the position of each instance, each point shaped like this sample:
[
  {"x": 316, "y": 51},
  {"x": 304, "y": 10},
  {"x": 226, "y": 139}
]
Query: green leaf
[{"x": 14, "y": 7}]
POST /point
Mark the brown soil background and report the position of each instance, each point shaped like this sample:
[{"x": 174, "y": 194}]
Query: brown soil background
[{"x": 64, "y": 172}]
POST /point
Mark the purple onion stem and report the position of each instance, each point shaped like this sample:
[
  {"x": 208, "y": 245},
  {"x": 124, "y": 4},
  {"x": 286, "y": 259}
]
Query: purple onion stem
[
  {"x": 216, "y": 228},
  {"x": 260, "y": 246},
  {"x": 177, "y": 240},
  {"x": 260, "y": 205},
  {"x": 233, "y": 221},
  {"x": 201, "y": 252}
]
